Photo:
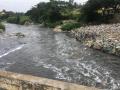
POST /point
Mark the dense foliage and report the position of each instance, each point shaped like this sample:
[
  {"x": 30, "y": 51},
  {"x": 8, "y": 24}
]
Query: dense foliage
[
  {"x": 99, "y": 10},
  {"x": 5, "y": 14},
  {"x": 24, "y": 19},
  {"x": 13, "y": 19},
  {"x": 2, "y": 28},
  {"x": 53, "y": 24},
  {"x": 18, "y": 19},
  {"x": 70, "y": 26},
  {"x": 53, "y": 12}
]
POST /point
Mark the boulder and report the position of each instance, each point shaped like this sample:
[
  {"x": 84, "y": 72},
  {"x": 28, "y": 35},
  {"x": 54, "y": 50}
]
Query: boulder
[{"x": 57, "y": 29}]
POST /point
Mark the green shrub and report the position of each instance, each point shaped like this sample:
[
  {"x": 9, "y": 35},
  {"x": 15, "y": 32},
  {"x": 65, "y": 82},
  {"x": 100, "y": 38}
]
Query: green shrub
[
  {"x": 24, "y": 19},
  {"x": 52, "y": 24},
  {"x": 18, "y": 19},
  {"x": 70, "y": 26},
  {"x": 12, "y": 19},
  {"x": 2, "y": 27}
]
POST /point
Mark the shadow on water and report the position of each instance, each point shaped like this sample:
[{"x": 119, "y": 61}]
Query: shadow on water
[{"x": 45, "y": 53}]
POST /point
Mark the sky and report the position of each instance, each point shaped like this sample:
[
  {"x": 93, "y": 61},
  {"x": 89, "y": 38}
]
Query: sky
[{"x": 23, "y": 5}]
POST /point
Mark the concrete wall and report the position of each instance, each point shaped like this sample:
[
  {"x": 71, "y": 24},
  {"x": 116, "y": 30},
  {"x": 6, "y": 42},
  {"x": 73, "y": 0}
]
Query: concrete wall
[{"x": 14, "y": 81}]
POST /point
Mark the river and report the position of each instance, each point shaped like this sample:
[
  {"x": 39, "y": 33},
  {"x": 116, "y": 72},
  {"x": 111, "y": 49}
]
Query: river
[{"x": 45, "y": 53}]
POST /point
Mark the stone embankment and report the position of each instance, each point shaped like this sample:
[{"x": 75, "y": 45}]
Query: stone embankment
[
  {"x": 101, "y": 37},
  {"x": 14, "y": 81}
]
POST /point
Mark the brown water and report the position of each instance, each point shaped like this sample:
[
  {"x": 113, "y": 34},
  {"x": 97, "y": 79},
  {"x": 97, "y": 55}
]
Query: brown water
[{"x": 45, "y": 53}]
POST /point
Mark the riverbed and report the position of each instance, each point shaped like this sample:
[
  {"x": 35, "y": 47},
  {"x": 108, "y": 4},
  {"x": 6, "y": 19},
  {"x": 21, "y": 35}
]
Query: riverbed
[{"x": 54, "y": 55}]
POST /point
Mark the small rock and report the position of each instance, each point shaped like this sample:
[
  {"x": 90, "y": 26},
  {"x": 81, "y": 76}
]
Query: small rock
[
  {"x": 21, "y": 35},
  {"x": 97, "y": 45},
  {"x": 57, "y": 29}
]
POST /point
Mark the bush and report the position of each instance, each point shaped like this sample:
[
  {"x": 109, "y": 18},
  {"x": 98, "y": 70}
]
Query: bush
[
  {"x": 13, "y": 19},
  {"x": 70, "y": 26},
  {"x": 99, "y": 11},
  {"x": 24, "y": 19},
  {"x": 52, "y": 24},
  {"x": 2, "y": 27},
  {"x": 18, "y": 19}
]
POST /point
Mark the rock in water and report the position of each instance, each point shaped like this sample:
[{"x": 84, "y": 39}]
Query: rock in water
[{"x": 20, "y": 35}]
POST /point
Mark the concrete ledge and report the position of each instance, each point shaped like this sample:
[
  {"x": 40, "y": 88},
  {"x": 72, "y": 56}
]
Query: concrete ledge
[{"x": 14, "y": 81}]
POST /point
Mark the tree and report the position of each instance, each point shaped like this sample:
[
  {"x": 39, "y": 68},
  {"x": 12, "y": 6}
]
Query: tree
[
  {"x": 51, "y": 12},
  {"x": 92, "y": 7},
  {"x": 45, "y": 12},
  {"x": 71, "y": 2}
]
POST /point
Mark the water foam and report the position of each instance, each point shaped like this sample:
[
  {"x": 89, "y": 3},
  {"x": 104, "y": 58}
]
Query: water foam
[
  {"x": 12, "y": 50},
  {"x": 80, "y": 70}
]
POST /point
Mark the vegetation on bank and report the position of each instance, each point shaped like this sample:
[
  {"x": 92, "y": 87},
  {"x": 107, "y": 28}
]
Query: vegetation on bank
[
  {"x": 54, "y": 12},
  {"x": 52, "y": 24},
  {"x": 18, "y": 19},
  {"x": 2, "y": 28},
  {"x": 70, "y": 26},
  {"x": 13, "y": 19},
  {"x": 99, "y": 11}
]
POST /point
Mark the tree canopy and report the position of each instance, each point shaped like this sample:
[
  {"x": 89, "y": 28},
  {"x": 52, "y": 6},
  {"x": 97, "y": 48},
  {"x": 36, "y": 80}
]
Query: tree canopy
[
  {"x": 50, "y": 11},
  {"x": 98, "y": 10}
]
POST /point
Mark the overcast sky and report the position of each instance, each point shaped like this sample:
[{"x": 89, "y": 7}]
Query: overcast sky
[{"x": 22, "y": 5}]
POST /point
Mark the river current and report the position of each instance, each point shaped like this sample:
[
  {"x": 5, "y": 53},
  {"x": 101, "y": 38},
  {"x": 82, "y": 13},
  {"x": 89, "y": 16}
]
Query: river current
[{"x": 54, "y": 55}]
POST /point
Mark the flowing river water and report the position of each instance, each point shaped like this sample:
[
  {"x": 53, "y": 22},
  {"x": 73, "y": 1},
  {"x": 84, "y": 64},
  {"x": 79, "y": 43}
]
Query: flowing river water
[{"x": 45, "y": 53}]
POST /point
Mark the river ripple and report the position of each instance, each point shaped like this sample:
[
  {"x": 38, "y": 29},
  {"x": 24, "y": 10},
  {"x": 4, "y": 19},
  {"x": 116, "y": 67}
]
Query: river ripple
[{"x": 45, "y": 53}]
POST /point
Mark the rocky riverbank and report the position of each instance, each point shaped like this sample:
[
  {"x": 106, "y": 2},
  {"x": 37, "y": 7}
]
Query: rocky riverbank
[{"x": 101, "y": 37}]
